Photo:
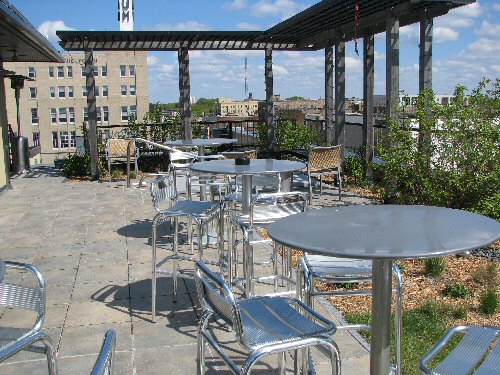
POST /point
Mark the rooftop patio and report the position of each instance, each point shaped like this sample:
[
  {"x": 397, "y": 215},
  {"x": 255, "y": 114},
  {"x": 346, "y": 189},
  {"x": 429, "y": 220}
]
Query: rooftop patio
[{"x": 91, "y": 241}]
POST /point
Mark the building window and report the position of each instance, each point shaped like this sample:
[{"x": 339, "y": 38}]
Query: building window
[
  {"x": 123, "y": 70},
  {"x": 105, "y": 113},
  {"x": 96, "y": 91},
  {"x": 131, "y": 70},
  {"x": 104, "y": 71},
  {"x": 84, "y": 91},
  {"x": 70, "y": 92},
  {"x": 64, "y": 139},
  {"x": 125, "y": 113},
  {"x": 32, "y": 92},
  {"x": 55, "y": 140},
  {"x": 132, "y": 90},
  {"x": 60, "y": 72},
  {"x": 72, "y": 139},
  {"x": 61, "y": 91},
  {"x": 133, "y": 111},
  {"x": 52, "y": 92},
  {"x": 36, "y": 139},
  {"x": 96, "y": 71},
  {"x": 63, "y": 116},
  {"x": 105, "y": 91},
  {"x": 123, "y": 89},
  {"x": 31, "y": 72},
  {"x": 83, "y": 71},
  {"x": 69, "y": 71},
  {"x": 98, "y": 114},
  {"x": 34, "y": 116},
  {"x": 85, "y": 114},
  {"x": 71, "y": 111},
  {"x": 53, "y": 115},
  {"x": 51, "y": 71}
]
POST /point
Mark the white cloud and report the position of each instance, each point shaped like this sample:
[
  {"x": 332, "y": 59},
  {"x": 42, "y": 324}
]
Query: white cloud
[
  {"x": 488, "y": 30},
  {"x": 248, "y": 26},
  {"x": 235, "y": 4},
  {"x": 471, "y": 10},
  {"x": 280, "y": 8},
  {"x": 153, "y": 60},
  {"x": 180, "y": 26},
  {"x": 445, "y": 34},
  {"x": 49, "y": 28}
]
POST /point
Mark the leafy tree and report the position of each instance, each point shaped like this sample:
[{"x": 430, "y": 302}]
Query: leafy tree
[{"x": 295, "y": 98}]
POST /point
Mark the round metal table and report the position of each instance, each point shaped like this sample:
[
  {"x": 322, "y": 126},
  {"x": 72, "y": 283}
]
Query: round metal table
[
  {"x": 256, "y": 167},
  {"x": 201, "y": 143},
  {"x": 384, "y": 233}
]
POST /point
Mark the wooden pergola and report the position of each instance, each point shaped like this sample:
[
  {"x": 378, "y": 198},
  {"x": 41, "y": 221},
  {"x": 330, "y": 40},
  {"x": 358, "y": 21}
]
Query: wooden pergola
[{"x": 327, "y": 25}]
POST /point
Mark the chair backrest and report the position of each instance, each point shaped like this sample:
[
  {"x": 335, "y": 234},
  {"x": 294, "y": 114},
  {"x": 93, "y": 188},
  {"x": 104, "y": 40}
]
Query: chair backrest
[
  {"x": 215, "y": 295},
  {"x": 163, "y": 191},
  {"x": 251, "y": 154},
  {"x": 117, "y": 148},
  {"x": 279, "y": 205},
  {"x": 105, "y": 361},
  {"x": 180, "y": 159},
  {"x": 23, "y": 297},
  {"x": 324, "y": 158}
]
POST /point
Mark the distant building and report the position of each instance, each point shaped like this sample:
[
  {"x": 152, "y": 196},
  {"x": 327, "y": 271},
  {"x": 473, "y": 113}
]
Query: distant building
[
  {"x": 228, "y": 107},
  {"x": 53, "y": 108}
]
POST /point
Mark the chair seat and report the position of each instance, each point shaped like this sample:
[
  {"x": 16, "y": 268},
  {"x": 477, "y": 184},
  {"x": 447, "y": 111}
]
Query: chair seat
[
  {"x": 269, "y": 320},
  {"x": 263, "y": 215},
  {"x": 333, "y": 266},
  {"x": 193, "y": 209}
]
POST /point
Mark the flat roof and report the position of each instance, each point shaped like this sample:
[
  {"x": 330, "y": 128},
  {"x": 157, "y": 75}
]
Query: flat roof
[
  {"x": 312, "y": 29},
  {"x": 20, "y": 41}
]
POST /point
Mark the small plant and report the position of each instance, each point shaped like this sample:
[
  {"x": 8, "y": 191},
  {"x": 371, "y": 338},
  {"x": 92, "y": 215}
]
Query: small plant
[
  {"x": 434, "y": 266},
  {"x": 486, "y": 275},
  {"x": 77, "y": 165},
  {"x": 132, "y": 175},
  {"x": 455, "y": 290},
  {"x": 353, "y": 167},
  {"x": 490, "y": 301},
  {"x": 459, "y": 312},
  {"x": 116, "y": 174},
  {"x": 402, "y": 267}
]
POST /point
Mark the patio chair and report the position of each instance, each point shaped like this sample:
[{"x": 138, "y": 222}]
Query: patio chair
[
  {"x": 102, "y": 366},
  {"x": 478, "y": 352},
  {"x": 16, "y": 296},
  {"x": 324, "y": 161},
  {"x": 262, "y": 325},
  {"x": 265, "y": 209},
  {"x": 164, "y": 194},
  {"x": 333, "y": 270},
  {"x": 116, "y": 153}
]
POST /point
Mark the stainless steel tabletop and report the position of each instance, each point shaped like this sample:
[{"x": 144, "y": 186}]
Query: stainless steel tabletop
[
  {"x": 201, "y": 142},
  {"x": 256, "y": 167},
  {"x": 386, "y": 231}
]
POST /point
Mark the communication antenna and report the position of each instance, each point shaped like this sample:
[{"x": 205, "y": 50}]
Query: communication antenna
[{"x": 246, "y": 78}]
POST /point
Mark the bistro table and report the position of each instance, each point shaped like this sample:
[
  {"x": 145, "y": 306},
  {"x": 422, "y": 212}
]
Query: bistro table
[
  {"x": 201, "y": 143},
  {"x": 384, "y": 233}
]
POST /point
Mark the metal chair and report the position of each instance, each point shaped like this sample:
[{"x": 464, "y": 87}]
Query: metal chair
[
  {"x": 262, "y": 325},
  {"x": 103, "y": 365},
  {"x": 16, "y": 296},
  {"x": 164, "y": 193},
  {"x": 478, "y": 352},
  {"x": 265, "y": 209},
  {"x": 324, "y": 161},
  {"x": 333, "y": 270},
  {"x": 116, "y": 153}
]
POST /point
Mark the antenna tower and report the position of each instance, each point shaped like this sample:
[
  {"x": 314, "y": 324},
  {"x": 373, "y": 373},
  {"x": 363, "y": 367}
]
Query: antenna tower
[{"x": 246, "y": 79}]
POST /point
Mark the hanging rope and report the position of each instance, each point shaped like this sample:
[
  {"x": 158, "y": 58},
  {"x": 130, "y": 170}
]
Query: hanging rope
[{"x": 356, "y": 20}]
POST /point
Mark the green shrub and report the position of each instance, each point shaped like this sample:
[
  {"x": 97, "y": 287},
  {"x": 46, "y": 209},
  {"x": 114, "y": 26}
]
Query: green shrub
[
  {"x": 489, "y": 301},
  {"x": 455, "y": 290},
  {"x": 132, "y": 175},
  {"x": 486, "y": 275},
  {"x": 77, "y": 165},
  {"x": 116, "y": 174},
  {"x": 490, "y": 207},
  {"x": 353, "y": 166},
  {"x": 455, "y": 160},
  {"x": 434, "y": 266},
  {"x": 288, "y": 135},
  {"x": 459, "y": 312}
]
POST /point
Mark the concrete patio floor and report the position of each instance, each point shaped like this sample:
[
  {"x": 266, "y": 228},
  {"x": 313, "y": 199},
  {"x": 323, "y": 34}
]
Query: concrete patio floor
[{"x": 92, "y": 243}]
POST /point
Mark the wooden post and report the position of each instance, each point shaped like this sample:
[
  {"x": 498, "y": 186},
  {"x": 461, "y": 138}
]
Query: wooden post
[
  {"x": 392, "y": 66},
  {"x": 92, "y": 123},
  {"x": 270, "y": 125},
  {"x": 339, "y": 93},
  {"x": 185, "y": 93},
  {"x": 368, "y": 88},
  {"x": 329, "y": 109},
  {"x": 425, "y": 61}
]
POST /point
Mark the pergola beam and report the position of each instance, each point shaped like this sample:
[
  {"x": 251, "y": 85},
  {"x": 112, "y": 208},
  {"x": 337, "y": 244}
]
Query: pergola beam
[
  {"x": 92, "y": 114},
  {"x": 185, "y": 93},
  {"x": 270, "y": 125},
  {"x": 339, "y": 93},
  {"x": 368, "y": 95},
  {"x": 329, "y": 103}
]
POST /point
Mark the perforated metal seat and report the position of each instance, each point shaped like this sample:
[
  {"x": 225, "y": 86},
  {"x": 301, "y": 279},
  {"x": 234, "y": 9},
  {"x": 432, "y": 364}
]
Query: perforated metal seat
[
  {"x": 169, "y": 207},
  {"x": 262, "y": 325},
  {"x": 478, "y": 352},
  {"x": 333, "y": 270}
]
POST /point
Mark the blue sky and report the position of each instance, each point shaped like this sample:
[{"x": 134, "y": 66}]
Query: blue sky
[{"x": 466, "y": 46}]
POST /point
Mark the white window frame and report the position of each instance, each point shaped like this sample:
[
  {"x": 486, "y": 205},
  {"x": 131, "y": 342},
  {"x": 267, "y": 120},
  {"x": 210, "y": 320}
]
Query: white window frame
[
  {"x": 62, "y": 115},
  {"x": 52, "y": 92},
  {"x": 59, "y": 91},
  {"x": 55, "y": 140},
  {"x": 123, "y": 70},
  {"x": 34, "y": 119},
  {"x": 124, "y": 109},
  {"x": 123, "y": 90},
  {"x": 63, "y": 139},
  {"x": 32, "y": 92},
  {"x": 71, "y": 92},
  {"x": 72, "y": 139},
  {"x": 132, "y": 91},
  {"x": 71, "y": 115},
  {"x": 85, "y": 114},
  {"x": 53, "y": 116},
  {"x": 60, "y": 70},
  {"x": 51, "y": 72},
  {"x": 84, "y": 92},
  {"x": 83, "y": 72},
  {"x": 104, "y": 71},
  {"x": 36, "y": 138},
  {"x": 69, "y": 71},
  {"x": 105, "y": 90},
  {"x": 131, "y": 70},
  {"x": 31, "y": 72},
  {"x": 105, "y": 113}
]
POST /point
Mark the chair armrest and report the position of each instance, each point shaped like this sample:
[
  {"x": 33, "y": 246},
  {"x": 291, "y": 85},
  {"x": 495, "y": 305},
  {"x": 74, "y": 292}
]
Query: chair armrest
[
  {"x": 27, "y": 267},
  {"x": 312, "y": 314},
  {"x": 104, "y": 363},
  {"x": 28, "y": 340}
]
